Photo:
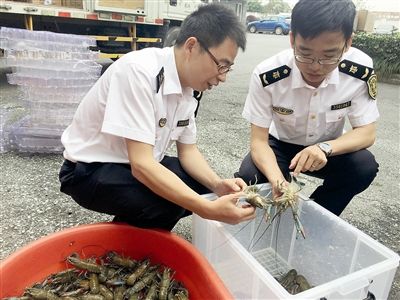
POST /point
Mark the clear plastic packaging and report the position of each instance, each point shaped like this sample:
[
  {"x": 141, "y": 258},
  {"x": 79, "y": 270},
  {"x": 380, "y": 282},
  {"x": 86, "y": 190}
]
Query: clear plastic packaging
[
  {"x": 46, "y": 37},
  {"x": 26, "y": 138},
  {"x": 53, "y": 72},
  {"x": 4, "y": 146},
  {"x": 43, "y": 54},
  {"x": 27, "y": 80},
  {"x": 71, "y": 94}
]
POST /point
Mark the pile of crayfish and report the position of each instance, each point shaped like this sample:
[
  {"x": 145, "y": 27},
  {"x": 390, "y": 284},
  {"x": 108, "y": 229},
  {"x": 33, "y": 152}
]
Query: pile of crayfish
[
  {"x": 293, "y": 282},
  {"x": 288, "y": 199},
  {"x": 111, "y": 276}
]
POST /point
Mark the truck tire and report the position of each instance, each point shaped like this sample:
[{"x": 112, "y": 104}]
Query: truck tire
[{"x": 171, "y": 36}]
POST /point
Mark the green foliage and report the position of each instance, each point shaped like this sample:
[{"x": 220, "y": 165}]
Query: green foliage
[
  {"x": 273, "y": 7},
  {"x": 384, "y": 50},
  {"x": 255, "y": 6},
  {"x": 277, "y": 6}
]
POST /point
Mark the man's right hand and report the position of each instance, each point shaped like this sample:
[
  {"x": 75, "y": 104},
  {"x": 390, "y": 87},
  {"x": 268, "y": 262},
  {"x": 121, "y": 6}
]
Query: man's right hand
[{"x": 226, "y": 209}]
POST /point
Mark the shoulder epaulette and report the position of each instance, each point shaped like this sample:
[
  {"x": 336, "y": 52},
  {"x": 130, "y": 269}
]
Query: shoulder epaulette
[
  {"x": 364, "y": 73},
  {"x": 274, "y": 75},
  {"x": 197, "y": 95},
  {"x": 160, "y": 79}
]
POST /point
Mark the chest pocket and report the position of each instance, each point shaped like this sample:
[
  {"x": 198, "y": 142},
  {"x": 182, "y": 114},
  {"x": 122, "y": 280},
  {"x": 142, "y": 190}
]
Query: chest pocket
[
  {"x": 285, "y": 120},
  {"x": 335, "y": 120}
]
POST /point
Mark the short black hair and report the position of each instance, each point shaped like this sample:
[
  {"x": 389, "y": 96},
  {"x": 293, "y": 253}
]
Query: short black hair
[
  {"x": 313, "y": 17},
  {"x": 211, "y": 24}
]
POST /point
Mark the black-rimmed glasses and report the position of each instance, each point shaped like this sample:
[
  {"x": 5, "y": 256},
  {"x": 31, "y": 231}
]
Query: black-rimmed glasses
[
  {"x": 222, "y": 69},
  {"x": 321, "y": 61}
]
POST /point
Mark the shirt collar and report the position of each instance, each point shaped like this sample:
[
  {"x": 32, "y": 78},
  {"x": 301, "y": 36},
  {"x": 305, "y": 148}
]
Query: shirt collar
[{"x": 172, "y": 84}]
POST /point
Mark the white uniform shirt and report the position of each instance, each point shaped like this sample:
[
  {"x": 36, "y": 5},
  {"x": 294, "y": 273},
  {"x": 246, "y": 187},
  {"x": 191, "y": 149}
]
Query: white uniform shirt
[
  {"x": 125, "y": 103},
  {"x": 298, "y": 113}
]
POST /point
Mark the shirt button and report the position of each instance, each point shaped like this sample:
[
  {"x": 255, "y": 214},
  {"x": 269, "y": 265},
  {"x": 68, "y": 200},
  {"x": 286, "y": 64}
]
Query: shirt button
[
  {"x": 312, "y": 117},
  {"x": 310, "y": 135},
  {"x": 315, "y": 94}
]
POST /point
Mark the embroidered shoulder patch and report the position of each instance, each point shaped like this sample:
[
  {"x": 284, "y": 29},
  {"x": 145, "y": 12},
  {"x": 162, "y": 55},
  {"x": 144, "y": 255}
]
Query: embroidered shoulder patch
[
  {"x": 361, "y": 72},
  {"x": 274, "y": 75}
]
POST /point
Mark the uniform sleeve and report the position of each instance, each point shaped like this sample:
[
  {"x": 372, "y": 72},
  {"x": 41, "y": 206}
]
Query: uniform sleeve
[
  {"x": 129, "y": 111},
  {"x": 258, "y": 106},
  {"x": 364, "y": 109}
]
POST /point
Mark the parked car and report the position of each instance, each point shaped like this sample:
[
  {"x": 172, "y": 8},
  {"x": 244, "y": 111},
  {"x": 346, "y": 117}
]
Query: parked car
[
  {"x": 274, "y": 24},
  {"x": 251, "y": 18}
]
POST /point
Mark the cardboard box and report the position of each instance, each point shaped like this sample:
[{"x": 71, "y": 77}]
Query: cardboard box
[
  {"x": 338, "y": 260},
  {"x": 72, "y": 3},
  {"x": 122, "y": 4},
  {"x": 45, "y": 2}
]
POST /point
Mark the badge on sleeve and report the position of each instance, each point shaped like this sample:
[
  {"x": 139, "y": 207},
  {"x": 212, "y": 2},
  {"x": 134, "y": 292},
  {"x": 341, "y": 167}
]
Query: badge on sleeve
[
  {"x": 162, "y": 122},
  {"x": 160, "y": 79},
  {"x": 372, "y": 86},
  {"x": 361, "y": 72}
]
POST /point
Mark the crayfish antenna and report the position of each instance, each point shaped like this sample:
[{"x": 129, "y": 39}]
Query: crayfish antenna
[{"x": 299, "y": 226}]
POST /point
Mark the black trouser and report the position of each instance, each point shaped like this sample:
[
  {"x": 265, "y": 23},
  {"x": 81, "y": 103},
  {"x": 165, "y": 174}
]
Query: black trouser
[
  {"x": 111, "y": 188},
  {"x": 344, "y": 175}
]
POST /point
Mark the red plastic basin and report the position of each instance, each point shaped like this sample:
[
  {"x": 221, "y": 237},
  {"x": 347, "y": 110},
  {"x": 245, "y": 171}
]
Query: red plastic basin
[{"x": 39, "y": 259}]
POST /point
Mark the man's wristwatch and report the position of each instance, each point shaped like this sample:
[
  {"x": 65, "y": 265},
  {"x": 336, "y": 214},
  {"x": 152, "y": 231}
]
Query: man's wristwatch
[{"x": 326, "y": 148}]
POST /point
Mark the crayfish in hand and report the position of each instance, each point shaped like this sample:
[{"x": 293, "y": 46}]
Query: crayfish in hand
[{"x": 288, "y": 199}]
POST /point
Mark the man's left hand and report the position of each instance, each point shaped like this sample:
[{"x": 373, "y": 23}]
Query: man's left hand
[{"x": 309, "y": 159}]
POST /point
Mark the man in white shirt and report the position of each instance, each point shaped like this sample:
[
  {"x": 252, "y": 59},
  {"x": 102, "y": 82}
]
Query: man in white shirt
[
  {"x": 115, "y": 160},
  {"x": 299, "y": 99}
]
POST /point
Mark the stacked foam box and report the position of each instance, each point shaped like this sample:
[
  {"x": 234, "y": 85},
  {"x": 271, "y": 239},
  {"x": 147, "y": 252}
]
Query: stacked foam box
[{"x": 53, "y": 72}]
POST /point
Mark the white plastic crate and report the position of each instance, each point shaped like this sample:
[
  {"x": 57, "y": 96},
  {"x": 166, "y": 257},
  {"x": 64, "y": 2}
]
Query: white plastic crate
[{"x": 338, "y": 260}]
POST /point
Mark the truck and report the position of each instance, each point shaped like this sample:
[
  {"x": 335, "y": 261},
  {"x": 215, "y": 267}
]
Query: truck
[{"x": 119, "y": 26}]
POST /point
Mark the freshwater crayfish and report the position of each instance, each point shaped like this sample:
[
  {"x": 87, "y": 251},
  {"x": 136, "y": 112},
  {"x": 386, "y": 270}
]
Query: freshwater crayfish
[
  {"x": 293, "y": 282},
  {"x": 288, "y": 199},
  {"x": 108, "y": 277}
]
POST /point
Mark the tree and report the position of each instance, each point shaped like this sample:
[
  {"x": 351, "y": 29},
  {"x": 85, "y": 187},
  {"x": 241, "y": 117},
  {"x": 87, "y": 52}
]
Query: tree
[
  {"x": 360, "y": 4},
  {"x": 276, "y": 7},
  {"x": 255, "y": 6}
]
